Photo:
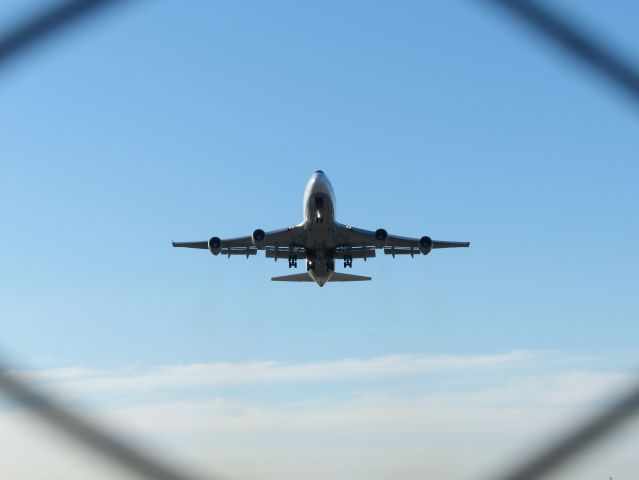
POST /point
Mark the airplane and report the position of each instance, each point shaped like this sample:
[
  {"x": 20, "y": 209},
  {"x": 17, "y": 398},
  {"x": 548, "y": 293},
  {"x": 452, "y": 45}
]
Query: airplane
[{"x": 321, "y": 240}]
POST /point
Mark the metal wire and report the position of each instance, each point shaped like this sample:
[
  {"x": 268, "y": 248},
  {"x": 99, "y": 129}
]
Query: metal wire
[
  {"x": 46, "y": 22},
  {"x": 580, "y": 44},
  {"x": 559, "y": 30},
  {"x": 577, "y": 441},
  {"x": 83, "y": 431}
]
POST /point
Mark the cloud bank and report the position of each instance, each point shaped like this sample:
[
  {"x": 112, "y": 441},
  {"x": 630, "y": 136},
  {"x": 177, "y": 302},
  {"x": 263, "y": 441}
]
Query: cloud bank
[
  {"x": 226, "y": 373},
  {"x": 383, "y": 418}
]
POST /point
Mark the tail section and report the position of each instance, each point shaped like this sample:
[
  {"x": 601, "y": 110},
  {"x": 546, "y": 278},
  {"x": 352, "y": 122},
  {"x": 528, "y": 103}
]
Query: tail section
[
  {"x": 345, "y": 277},
  {"x": 335, "y": 277},
  {"x": 298, "y": 277}
]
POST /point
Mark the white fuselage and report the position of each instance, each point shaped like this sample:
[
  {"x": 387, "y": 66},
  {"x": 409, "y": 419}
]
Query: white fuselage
[{"x": 319, "y": 225}]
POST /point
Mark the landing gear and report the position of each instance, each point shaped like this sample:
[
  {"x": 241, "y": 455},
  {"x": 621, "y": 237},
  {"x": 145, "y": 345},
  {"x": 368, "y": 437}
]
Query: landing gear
[
  {"x": 309, "y": 266},
  {"x": 348, "y": 261},
  {"x": 292, "y": 262}
]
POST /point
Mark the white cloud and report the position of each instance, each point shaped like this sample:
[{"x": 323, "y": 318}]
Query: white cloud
[
  {"x": 371, "y": 432},
  {"x": 225, "y": 373}
]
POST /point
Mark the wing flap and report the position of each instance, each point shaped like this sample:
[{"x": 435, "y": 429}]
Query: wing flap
[
  {"x": 285, "y": 252},
  {"x": 412, "y": 251},
  {"x": 239, "y": 251},
  {"x": 354, "y": 251}
]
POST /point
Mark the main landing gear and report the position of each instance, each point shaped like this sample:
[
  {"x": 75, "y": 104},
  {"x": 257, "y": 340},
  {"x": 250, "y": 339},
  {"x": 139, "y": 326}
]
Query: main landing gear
[
  {"x": 348, "y": 261},
  {"x": 292, "y": 262}
]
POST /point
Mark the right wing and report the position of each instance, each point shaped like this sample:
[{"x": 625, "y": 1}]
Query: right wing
[
  {"x": 445, "y": 244},
  {"x": 280, "y": 243}
]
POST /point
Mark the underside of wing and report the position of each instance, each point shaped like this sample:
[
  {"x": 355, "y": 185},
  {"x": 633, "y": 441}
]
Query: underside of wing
[
  {"x": 282, "y": 243},
  {"x": 203, "y": 245},
  {"x": 355, "y": 251},
  {"x": 289, "y": 251},
  {"x": 360, "y": 243},
  {"x": 443, "y": 244}
]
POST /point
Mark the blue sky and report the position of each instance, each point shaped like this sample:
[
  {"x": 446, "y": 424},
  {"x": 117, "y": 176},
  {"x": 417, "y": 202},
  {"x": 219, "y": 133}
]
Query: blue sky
[{"x": 158, "y": 122}]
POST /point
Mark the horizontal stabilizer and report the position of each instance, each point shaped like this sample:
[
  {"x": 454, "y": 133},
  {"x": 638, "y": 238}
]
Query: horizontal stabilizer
[
  {"x": 336, "y": 277},
  {"x": 298, "y": 277},
  {"x": 345, "y": 277}
]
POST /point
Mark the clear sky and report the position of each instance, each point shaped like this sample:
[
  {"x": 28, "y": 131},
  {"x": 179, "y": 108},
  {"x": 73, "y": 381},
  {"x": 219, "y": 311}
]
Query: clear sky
[{"x": 165, "y": 121}]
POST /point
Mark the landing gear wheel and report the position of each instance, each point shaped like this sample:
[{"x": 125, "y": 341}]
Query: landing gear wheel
[
  {"x": 292, "y": 262},
  {"x": 348, "y": 262}
]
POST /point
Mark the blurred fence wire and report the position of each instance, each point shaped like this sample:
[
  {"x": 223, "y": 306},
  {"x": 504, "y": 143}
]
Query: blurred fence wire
[
  {"x": 43, "y": 24},
  {"x": 146, "y": 466},
  {"x": 576, "y": 442},
  {"x": 558, "y": 29},
  {"x": 576, "y": 41},
  {"x": 64, "y": 420}
]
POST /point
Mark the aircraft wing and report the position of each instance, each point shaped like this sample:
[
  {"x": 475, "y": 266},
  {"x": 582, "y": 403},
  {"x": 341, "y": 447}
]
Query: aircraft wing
[
  {"x": 352, "y": 237},
  {"x": 277, "y": 243},
  {"x": 203, "y": 245}
]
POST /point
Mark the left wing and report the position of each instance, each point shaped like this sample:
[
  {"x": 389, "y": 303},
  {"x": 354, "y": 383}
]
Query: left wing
[
  {"x": 203, "y": 245},
  {"x": 278, "y": 243},
  {"x": 367, "y": 240}
]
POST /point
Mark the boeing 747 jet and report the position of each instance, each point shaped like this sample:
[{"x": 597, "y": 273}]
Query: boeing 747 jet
[{"x": 320, "y": 240}]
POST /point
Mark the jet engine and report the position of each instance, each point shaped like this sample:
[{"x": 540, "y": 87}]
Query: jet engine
[
  {"x": 381, "y": 235},
  {"x": 215, "y": 245},
  {"x": 258, "y": 238},
  {"x": 425, "y": 245}
]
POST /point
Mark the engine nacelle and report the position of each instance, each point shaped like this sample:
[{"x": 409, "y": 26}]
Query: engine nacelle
[
  {"x": 380, "y": 236},
  {"x": 259, "y": 238},
  {"x": 215, "y": 245},
  {"x": 425, "y": 245}
]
